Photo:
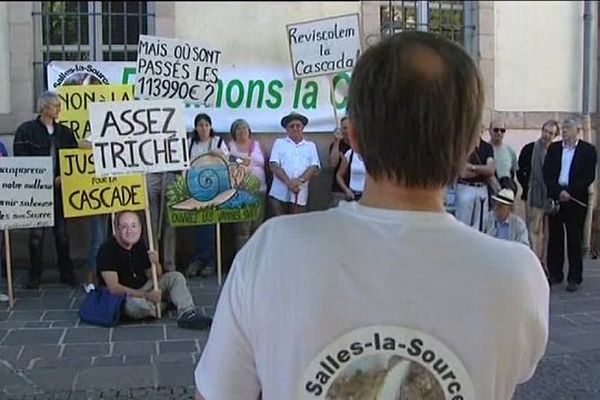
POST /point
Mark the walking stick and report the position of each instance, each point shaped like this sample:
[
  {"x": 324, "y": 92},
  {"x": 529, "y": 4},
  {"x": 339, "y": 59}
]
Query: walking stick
[
  {"x": 481, "y": 203},
  {"x": 295, "y": 206}
]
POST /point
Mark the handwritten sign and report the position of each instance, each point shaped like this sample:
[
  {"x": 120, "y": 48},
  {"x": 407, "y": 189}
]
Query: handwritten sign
[
  {"x": 85, "y": 194},
  {"x": 213, "y": 190},
  {"x": 75, "y": 101},
  {"x": 324, "y": 46},
  {"x": 175, "y": 68},
  {"x": 138, "y": 136},
  {"x": 26, "y": 192}
]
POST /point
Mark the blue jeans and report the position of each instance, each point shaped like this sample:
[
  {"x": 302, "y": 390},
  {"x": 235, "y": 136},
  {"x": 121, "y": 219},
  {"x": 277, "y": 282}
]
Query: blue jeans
[
  {"x": 98, "y": 225},
  {"x": 206, "y": 238}
]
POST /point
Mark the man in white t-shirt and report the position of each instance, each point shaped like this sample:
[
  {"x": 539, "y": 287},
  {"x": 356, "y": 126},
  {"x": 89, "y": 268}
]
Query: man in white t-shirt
[
  {"x": 389, "y": 297},
  {"x": 294, "y": 162}
]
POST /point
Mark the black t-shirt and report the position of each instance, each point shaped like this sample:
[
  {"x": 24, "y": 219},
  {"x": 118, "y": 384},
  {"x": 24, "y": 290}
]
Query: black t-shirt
[
  {"x": 344, "y": 147},
  {"x": 479, "y": 157},
  {"x": 130, "y": 265}
]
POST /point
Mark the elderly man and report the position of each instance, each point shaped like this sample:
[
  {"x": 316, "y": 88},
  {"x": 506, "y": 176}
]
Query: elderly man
[
  {"x": 502, "y": 223},
  {"x": 505, "y": 157},
  {"x": 383, "y": 284},
  {"x": 294, "y": 162},
  {"x": 43, "y": 136},
  {"x": 531, "y": 177},
  {"x": 569, "y": 170},
  {"x": 124, "y": 267}
]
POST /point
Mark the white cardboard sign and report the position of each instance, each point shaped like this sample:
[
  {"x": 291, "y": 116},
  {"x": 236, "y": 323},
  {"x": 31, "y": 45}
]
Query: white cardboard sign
[
  {"x": 325, "y": 46},
  {"x": 176, "y": 68},
  {"x": 26, "y": 192},
  {"x": 138, "y": 136}
]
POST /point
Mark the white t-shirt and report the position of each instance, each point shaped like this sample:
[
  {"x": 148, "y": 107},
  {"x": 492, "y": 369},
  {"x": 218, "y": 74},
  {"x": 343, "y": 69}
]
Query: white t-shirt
[
  {"x": 197, "y": 148},
  {"x": 357, "y": 171},
  {"x": 305, "y": 311},
  {"x": 294, "y": 158}
]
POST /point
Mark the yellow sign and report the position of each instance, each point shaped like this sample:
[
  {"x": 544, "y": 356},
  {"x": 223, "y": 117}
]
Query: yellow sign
[
  {"x": 75, "y": 101},
  {"x": 83, "y": 193}
]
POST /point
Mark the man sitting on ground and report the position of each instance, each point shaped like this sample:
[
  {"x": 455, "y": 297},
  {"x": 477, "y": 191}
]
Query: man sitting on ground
[
  {"x": 124, "y": 267},
  {"x": 502, "y": 223}
]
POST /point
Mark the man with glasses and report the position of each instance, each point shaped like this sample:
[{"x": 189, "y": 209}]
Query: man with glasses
[
  {"x": 294, "y": 162},
  {"x": 504, "y": 157},
  {"x": 124, "y": 267},
  {"x": 569, "y": 170},
  {"x": 531, "y": 177}
]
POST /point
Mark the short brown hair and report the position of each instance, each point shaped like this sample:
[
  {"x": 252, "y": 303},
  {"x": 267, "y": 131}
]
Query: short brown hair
[
  {"x": 552, "y": 122},
  {"x": 415, "y": 100}
]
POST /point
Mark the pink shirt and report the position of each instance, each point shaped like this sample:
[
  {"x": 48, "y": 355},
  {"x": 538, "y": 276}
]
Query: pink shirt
[{"x": 257, "y": 161}]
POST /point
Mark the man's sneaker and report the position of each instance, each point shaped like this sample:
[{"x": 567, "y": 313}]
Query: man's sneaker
[
  {"x": 192, "y": 319},
  {"x": 208, "y": 271},
  {"x": 3, "y": 298},
  {"x": 33, "y": 283},
  {"x": 572, "y": 287},
  {"x": 193, "y": 268}
]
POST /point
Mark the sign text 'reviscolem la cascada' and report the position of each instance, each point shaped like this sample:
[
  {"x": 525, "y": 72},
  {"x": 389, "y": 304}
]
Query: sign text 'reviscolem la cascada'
[{"x": 325, "y": 46}]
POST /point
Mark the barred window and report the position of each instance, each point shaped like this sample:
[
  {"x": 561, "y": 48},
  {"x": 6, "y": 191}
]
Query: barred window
[
  {"x": 88, "y": 31},
  {"x": 443, "y": 17}
]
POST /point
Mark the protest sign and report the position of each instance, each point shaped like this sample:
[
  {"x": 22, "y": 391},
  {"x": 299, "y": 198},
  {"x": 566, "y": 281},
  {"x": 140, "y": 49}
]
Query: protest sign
[
  {"x": 26, "y": 192},
  {"x": 176, "y": 68},
  {"x": 214, "y": 190},
  {"x": 138, "y": 136},
  {"x": 85, "y": 194},
  {"x": 75, "y": 100},
  {"x": 324, "y": 46},
  {"x": 261, "y": 94}
]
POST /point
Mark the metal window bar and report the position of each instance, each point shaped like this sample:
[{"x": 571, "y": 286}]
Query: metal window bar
[{"x": 50, "y": 44}]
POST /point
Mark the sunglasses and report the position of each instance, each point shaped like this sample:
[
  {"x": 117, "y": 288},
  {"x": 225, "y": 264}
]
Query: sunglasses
[{"x": 499, "y": 130}]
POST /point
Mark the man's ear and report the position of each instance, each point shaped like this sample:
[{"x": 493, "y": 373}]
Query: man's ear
[{"x": 353, "y": 136}]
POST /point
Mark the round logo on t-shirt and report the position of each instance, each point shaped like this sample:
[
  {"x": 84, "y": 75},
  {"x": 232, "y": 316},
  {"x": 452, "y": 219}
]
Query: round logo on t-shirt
[{"x": 386, "y": 363}]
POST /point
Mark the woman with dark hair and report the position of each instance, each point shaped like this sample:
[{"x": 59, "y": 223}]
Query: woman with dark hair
[
  {"x": 248, "y": 153},
  {"x": 203, "y": 140}
]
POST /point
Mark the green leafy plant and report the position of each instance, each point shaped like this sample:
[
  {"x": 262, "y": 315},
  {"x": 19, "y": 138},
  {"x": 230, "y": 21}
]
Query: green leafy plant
[{"x": 178, "y": 191}]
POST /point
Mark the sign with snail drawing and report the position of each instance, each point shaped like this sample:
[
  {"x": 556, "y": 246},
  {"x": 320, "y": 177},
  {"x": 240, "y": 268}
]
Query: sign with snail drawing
[{"x": 214, "y": 190}]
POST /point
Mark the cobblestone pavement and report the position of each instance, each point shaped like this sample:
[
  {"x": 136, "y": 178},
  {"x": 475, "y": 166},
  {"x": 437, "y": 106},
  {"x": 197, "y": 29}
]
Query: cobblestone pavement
[{"x": 46, "y": 353}]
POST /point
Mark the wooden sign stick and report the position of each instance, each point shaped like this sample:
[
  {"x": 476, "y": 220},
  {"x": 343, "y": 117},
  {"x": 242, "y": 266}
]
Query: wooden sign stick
[
  {"x": 151, "y": 247},
  {"x": 332, "y": 100},
  {"x": 219, "y": 270},
  {"x": 11, "y": 299}
]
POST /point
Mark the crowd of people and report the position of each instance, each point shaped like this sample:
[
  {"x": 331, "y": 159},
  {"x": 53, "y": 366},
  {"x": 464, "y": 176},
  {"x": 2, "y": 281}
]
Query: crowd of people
[
  {"x": 299, "y": 284},
  {"x": 554, "y": 175},
  {"x": 484, "y": 190}
]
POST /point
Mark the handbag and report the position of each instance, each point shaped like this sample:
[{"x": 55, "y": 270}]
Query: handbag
[{"x": 101, "y": 307}]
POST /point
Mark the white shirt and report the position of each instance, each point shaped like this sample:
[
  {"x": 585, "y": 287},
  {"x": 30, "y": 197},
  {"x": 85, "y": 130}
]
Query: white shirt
[
  {"x": 298, "y": 288},
  {"x": 294, "y": 159},
  {"x": 198, "y": 148},
  {"x": 565, "y": 165},
  {"x": 357, "y": 171}
]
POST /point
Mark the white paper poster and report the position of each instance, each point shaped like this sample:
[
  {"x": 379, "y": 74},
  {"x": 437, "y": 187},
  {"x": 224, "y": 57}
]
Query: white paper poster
[
  {"x": 26, "y": 192},
  {"x": 138, "y": 136},
  {"x": 325, "y": 46},
  {"x": 177, "y": 68}
]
